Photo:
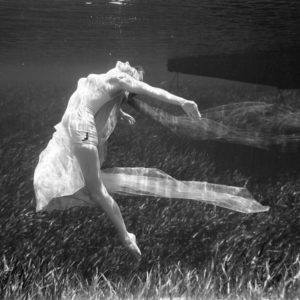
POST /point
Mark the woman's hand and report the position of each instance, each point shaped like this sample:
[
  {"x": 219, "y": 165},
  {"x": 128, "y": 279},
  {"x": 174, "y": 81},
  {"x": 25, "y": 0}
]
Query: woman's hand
[
  {"x": 130, "y": 243},
  {"x": 127, "y": 117},
  {"x": 191, "y": 109}
]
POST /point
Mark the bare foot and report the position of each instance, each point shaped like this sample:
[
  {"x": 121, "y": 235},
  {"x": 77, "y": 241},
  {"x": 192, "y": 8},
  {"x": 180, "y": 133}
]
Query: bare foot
[{"x": 131, "y": 245}]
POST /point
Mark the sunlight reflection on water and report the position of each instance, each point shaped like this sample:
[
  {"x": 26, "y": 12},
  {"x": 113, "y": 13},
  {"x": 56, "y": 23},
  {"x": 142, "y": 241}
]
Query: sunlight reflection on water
[{"x": 65, "y": 29}]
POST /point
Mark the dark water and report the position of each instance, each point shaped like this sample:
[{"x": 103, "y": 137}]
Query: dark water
[
  {"x": 61, "y": 35},
  {"x": 55, "y": 41}
]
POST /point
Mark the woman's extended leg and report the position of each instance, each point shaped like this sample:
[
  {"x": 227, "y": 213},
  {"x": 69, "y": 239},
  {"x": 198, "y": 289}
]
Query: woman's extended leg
[{"x": 88, "y": 158}]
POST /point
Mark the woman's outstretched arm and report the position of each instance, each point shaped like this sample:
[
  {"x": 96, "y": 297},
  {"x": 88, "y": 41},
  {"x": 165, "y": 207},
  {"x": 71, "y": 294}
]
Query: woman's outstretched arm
[{"x": 132, "y": 85}]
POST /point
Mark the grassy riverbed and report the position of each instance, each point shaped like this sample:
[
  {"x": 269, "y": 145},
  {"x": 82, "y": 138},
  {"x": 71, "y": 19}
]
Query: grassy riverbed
[{"x": 189, "y": 249}]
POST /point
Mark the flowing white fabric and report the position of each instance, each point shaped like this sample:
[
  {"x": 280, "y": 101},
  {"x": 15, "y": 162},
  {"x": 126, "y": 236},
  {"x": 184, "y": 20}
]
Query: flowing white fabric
[
  {"x": 59, "y": 183},
  {"x": 256, "y": 124},
  {"x": 155, "y": 183}
]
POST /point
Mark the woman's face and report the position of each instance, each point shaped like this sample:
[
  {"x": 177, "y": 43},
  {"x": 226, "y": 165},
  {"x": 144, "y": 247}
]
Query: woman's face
[
  {"x": 127, "y": 68},
  {"x": 124, "y": 67}
]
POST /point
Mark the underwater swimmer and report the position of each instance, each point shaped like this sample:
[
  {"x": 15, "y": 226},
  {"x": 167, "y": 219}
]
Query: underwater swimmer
[{"x": 97, "y": 98}]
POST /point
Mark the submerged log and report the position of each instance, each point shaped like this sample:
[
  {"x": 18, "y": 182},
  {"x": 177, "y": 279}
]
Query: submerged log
[{"x": 280, "y": 69}]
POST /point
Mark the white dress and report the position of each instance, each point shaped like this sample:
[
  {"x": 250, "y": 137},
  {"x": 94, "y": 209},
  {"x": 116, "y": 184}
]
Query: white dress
[{"x": 58, "y": 172}]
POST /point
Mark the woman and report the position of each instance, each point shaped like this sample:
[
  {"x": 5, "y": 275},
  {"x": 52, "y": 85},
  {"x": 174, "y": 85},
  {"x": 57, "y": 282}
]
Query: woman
[{"x": 97, "y": 97}]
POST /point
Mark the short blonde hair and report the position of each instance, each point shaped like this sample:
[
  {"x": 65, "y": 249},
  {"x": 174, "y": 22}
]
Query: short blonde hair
[{"x": 135, "y": 72}]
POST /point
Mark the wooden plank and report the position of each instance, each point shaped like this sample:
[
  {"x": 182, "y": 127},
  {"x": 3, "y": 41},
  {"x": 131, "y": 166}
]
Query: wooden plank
[{"x": 280, "y": 69}]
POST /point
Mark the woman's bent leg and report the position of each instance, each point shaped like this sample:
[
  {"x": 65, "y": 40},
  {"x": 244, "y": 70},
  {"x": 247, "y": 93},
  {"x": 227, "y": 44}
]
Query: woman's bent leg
[{"x": 88, "y": 158}]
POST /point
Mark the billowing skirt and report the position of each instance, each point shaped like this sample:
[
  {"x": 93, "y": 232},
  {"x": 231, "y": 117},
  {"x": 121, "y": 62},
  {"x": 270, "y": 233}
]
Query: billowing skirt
[{"x": 58, "y": 172}]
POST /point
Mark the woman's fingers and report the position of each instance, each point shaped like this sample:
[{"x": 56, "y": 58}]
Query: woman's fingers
[
  {"x": 131, "y": 121},
  {"x": 191, "y": 109},
  {"x": 197, "y": 114}
]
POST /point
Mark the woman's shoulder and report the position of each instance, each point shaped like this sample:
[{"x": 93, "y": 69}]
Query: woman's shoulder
[
  {"x": 92, "y": 80},
  {"x": 96, "y": 80},
  {"x": 93, "y": 83},
  {"x": 107, "y": 82}
]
